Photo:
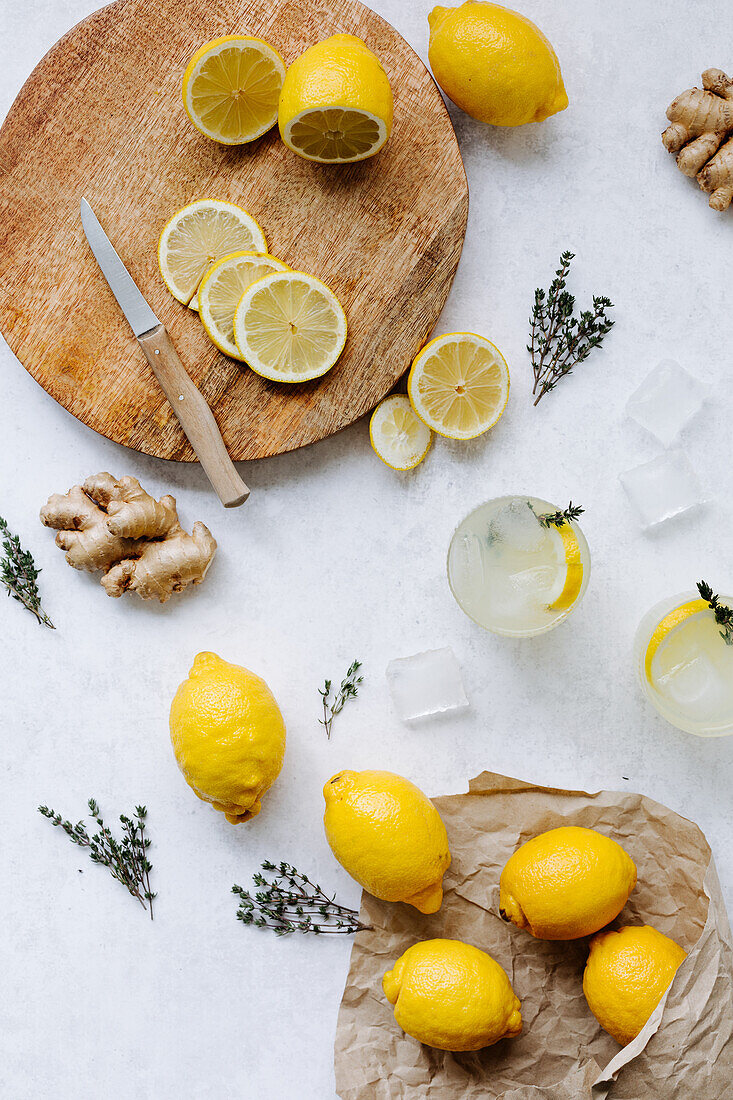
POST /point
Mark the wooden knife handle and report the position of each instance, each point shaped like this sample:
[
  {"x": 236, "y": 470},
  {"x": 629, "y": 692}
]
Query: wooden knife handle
[{"x": 194, "y": 416}]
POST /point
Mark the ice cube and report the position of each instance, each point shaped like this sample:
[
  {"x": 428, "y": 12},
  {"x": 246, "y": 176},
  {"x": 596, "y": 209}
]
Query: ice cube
[
  {"x": 471, "y": 561},
  {"x": 426, "y": 683},
  {"x": 516, "y": 525},
  {"x": 697, "y": 686},
  {"x": 667, "y": 400},
  {"x": 532, "y": 587},
  {"x": 662, "y": 488}
]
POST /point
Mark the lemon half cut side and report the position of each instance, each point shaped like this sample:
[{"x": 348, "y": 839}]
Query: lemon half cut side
[
  {"x": 221, "y": 290},
  {"x": 459, "y": 385},
  {"x": 335, "y": 135},
  {"x": 231, "y": 88},
  {"x": 197, "y": 236},
  {"x": 290, "y": 327}
]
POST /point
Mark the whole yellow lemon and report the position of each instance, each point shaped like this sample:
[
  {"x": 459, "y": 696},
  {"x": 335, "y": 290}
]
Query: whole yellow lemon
[
  {"x": 566, "y": 883},
  {"x": 495, "y": 64},
  {"x": 388, "y": 836},
  {"x": 228, "y": 736},
  {"x": 336, "y": 102},
  {"x": 450, "y": 995},
  {"x": 626, "y": 975}
]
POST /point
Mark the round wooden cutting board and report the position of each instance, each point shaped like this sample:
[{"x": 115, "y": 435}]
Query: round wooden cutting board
[{"x": 101, "y": 117}]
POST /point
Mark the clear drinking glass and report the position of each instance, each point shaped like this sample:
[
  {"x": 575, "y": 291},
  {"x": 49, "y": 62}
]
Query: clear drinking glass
[
  {"x": 513, "y": 574},
  {"x": 685, "y": 667}
]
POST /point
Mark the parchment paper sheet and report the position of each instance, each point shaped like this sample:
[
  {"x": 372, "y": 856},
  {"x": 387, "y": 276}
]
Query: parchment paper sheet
[{"x": 685, "y": 1052}]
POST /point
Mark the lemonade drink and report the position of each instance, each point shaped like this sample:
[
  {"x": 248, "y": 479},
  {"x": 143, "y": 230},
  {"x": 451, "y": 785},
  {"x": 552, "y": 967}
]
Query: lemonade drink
[
  {"x": 685, "y": 666},
  {"x": 514, "y": 574}
]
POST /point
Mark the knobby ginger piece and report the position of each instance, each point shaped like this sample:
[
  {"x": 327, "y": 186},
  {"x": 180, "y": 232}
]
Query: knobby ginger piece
[
  {"x": 700, "y": 134},
  {"x": 136, "y": 541}
]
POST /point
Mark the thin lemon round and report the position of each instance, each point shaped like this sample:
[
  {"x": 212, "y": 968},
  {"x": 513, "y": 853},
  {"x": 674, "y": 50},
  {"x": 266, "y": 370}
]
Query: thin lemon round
[
  {"x": 668, "y": 624},
  {"x": 397, "y": 434},
  {"x": 231, "y": 88},
  {"x": 336, "y": 103},
  {"x": 459, "y": 385},
  {"x": 221, "y": 289},
  {"x": 199, "y": 235},
  {"x": 569, "y": 554},
  {"x": 289, "y": 327}
]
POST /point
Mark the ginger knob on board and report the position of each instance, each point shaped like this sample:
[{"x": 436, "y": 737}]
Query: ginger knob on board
[
  {"x": 137, "y": 542},
  {"x": 701, "y": 135}
]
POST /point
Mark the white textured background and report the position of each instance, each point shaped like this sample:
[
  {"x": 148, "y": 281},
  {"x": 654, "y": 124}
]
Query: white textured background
[{"x": 335, "y": 556}]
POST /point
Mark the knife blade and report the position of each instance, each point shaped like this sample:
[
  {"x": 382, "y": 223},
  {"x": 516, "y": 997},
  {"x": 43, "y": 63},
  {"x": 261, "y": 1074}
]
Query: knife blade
[{"x": 190, "y": 408}]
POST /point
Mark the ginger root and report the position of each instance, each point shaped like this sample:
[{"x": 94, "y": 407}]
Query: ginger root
[
  {"x": 700, "y": 134},
  {"x": 137, "y": 542}
]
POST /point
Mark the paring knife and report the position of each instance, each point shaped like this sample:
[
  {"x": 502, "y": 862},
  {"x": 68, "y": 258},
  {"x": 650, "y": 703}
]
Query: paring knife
[{"x": 192, "y": 411}]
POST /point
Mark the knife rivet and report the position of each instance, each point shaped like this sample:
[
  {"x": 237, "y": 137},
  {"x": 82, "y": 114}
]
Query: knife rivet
[
  {"x": 180, "y": 397},
  {"x": 157, "y": 352}
]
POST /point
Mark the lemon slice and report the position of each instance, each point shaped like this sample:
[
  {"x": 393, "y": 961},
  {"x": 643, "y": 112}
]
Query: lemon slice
[
  {"x": 289, "y": 327},
  {"x": 199, "y": 235},
  {"x": 459, "y": 385},
  {"x": 397, "y": 433},
  {"x": 231, "y": 88},
  {"x": 194, "y": 303},
  {"x": 669, "y": 623},
  {"x": 336, "y": 103},
  {"x": 221, "y": 288},
  {"x": 571, "y": 580}
]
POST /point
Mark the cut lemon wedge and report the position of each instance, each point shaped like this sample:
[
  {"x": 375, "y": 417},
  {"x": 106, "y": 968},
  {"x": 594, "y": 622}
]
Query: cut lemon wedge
[
  {"x": 668, "y": 624},
  {"x": 571, "y": 578},
  {"x": 231, "y": 88},
  {"x": 397, "y": 433},
  {"x": 289, "y": 327},
  {"x": 199, "y": 235},
  {"x": 221, "y": 289},
  {"x": 459, "y": 385}
]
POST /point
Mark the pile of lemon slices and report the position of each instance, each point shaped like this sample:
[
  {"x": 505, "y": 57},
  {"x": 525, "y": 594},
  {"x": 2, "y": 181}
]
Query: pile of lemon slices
[
  {"x": 286, "y": 325},
  {"x": 458, "y": 387}
]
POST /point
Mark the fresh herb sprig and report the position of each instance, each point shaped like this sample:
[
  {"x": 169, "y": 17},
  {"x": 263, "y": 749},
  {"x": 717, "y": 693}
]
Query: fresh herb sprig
[
  {"x": 334, "y": 705},
  {"x": 19, "y": 575},
  {"x": 558, "y": 339},
  {"x": 290, "y": 902},
  {"x": 126, "y": 859},
  {"x": 557, "y": 519},
  {"x": 723, "y": 614}
]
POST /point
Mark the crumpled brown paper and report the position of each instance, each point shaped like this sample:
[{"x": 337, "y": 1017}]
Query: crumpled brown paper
[{"x": 685, "y": 1052}]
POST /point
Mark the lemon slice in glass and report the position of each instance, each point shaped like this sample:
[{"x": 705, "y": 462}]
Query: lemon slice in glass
[
  {"x": 289, "y": 327},
  {"x": 221, "y": 289},
  {"x": 667, "y": 626},
  {"x": 397, "y": 433},
  {"x": 231, "y": 88},
  {"x": 571, "y": 571},
  {"x": 459, "y": 385},
  {"x": 197, "y": 236},
  {"x": 336, "y": 102}
]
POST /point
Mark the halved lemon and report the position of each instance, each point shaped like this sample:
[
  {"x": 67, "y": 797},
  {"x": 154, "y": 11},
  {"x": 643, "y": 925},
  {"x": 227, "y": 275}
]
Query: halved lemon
[
  {"x": 397, "y": 433},
  {"x": 197, "y": 236},
  {"x": 336, "y": 102},
  {"x": 221, "y": 289},
  {"x": 668, "y": 624},
  {"x": 459, "y": 385},
  {"x": 571, "y": 580},
  {"x": 289, "y": 327},
  {"x": 231, "y": 88}
]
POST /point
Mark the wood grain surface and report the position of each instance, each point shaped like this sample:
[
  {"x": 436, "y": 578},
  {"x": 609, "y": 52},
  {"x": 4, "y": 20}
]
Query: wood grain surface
[{"x": 101, "y": 117}]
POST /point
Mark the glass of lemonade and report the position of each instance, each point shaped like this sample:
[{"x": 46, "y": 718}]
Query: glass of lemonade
[
  {"x": 514, "y": 574},
  {"x": 685, "y": 666}
]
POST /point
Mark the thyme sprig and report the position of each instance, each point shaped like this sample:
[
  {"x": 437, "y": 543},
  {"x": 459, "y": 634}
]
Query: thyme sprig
[
  {"x": 558, "y": 339},
  {"x": 557, "y": 519},
  {"x": 349, "y": 690},
  {"x": 126, "y": 859},
  {"x": 723, "y": 614},
  {"x": 19, "y": 575},
  {"x": 290, "y": 902}
]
